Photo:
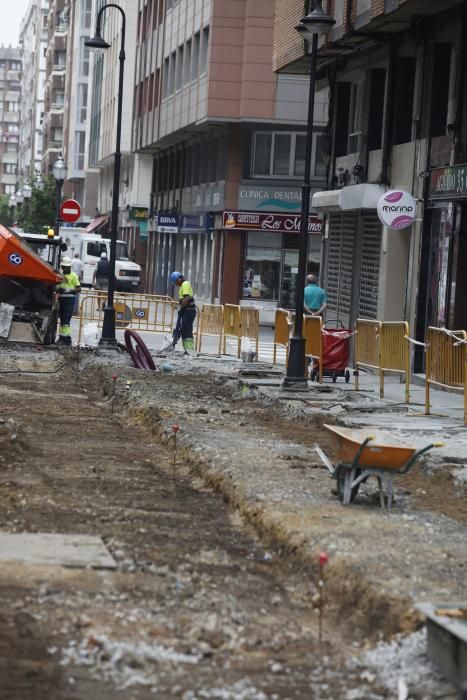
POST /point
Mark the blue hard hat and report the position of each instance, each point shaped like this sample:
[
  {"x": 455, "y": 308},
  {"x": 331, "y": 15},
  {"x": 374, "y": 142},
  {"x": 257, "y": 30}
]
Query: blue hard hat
[{"x": 174, "y": 276}]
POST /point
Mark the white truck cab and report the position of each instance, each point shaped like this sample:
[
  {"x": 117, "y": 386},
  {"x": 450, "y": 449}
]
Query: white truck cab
[{"x": 89, "y": 246}]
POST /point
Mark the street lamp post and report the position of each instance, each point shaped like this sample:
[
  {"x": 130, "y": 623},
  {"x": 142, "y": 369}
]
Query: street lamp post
[
  {"x": 12, "y": 204},
  {"x": 310, "y": 27},
  {"x": 59, "y": 170},
  {"x": 97, "y": 43}
]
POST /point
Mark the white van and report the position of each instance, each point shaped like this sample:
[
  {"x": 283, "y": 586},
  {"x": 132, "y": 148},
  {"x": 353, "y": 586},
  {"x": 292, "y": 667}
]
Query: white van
[{"x": 89, "y": 246}]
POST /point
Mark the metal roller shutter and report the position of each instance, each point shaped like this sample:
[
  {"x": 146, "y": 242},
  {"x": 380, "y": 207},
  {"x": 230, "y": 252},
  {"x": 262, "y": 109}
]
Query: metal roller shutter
[
  {"x": 342, "y": 228},
  {"x": 370, "y": 262}
]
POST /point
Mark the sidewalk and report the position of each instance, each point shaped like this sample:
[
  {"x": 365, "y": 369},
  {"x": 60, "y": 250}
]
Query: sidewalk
[{"x": 347, "y": 406}]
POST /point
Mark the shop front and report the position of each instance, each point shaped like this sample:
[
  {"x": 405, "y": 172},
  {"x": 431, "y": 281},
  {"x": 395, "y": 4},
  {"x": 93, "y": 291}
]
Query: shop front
[
  {"x": 270, "y": 255},
  {"x": 443, "y": 270},
  {"x": 194, "y": 253}
]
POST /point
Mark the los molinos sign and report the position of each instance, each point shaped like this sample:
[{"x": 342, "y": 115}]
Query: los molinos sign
[{"x": 278, "y": 223}]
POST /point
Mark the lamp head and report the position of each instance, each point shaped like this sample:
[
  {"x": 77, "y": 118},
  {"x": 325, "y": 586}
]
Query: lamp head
[
  {"x": 27, "y": 191},
  {"x": 59, "y": 169},
  {"x": 315, "y": 22},
  {"x": 97, "y": 43}
]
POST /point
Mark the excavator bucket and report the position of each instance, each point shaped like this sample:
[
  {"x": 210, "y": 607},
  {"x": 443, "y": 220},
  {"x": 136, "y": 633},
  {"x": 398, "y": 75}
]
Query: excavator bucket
[
  {"x": 18, "y": 261},
  {"x": 28, "y": 301}
]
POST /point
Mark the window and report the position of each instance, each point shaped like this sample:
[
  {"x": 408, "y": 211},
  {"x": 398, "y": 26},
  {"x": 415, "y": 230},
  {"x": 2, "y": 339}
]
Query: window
[
  {"x": 278, "y": 154},
  {"x": 203, "y": 59},
  {"x": 9, "y": 168},
  {"x": 440, "y": 88},
  {"x": 10, "y": 189},
  {"x": 171, "y": 79},
  {"x": 195, "y": 57},
  {"x": 355, "y": 117},
  {"x": 404, "y": 100},
  {"x": 179, "y": 68},
  {"x": 82, "y": 101},
  {"x": 80, "y": 146},
  {"x": 13, "y": 129},
  {"x": 84, "y": 60},
  {"x": 376, "y": 108},
  {"x": 13, "y": 107},
  {"x": 262, "y": 266},
  {"x": 321, "y": 155},
  {"x": 187, "y": 62},
  {"x": 165, "y": 81},
  {"x": 262, "y": 154},
  {"x": 95, "y": 248},
  {"x": 86, "y": 12},
  {"x": 300, "y": 151},
  {"x": 282, "y": 151}
]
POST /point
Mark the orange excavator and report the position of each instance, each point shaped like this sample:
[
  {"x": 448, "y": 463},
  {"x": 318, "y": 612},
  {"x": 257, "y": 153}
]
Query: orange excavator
[{"x": 29, "y": 266}]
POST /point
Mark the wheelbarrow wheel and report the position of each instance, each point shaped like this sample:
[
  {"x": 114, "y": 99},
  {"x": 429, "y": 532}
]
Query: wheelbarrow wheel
[{"x": 340, "y": 477}]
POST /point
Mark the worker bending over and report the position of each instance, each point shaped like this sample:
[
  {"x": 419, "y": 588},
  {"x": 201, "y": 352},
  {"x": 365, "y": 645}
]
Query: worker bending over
[
  {"x": 187, "y": 311},
  {"x": 67, "y": 291}
]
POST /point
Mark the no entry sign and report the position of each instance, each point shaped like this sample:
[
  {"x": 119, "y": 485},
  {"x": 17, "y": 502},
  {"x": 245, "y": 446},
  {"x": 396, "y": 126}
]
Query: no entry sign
[{"x": 70, "y": 211}]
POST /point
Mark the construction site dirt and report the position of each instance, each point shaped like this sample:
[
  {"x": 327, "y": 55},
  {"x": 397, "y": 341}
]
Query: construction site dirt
[{"x": 215, "y": 591}]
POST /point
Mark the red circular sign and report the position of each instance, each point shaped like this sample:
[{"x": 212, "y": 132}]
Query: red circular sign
[{"x": 70, "y": 211}]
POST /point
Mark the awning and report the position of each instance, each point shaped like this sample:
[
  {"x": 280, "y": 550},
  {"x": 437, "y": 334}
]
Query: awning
[
  {"x": 96, "y": 223},
  {"x": 348, "y": 198}
]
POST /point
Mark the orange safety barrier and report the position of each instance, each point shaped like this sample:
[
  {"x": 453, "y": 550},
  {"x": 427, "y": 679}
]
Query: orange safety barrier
[
  {"x": 383, "y": 347},
  {"x": 211, "y": 322},
  {"x": 395, "y": 353},
  {"x": 367, "y": 347},
  {"x": 249, "y": 325},
  {"x": 446, "y": 359},
  {"x": 312, "y": 327},
  {"x": 232, "y": 325},
  {"x": 142, "y": 312},
  {"x": 282, "y": 328}
]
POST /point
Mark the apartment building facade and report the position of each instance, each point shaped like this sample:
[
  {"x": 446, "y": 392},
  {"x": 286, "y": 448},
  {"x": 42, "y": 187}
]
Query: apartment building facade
[
  {"x": 81, "y": 183},
  {"x": 33, "y": 40},
  {"x": 54, "y": 98},
  {"x": 396, "y": 75},
  {"x": 10, "y": 96},
  {"x": 226, "y": 139}
]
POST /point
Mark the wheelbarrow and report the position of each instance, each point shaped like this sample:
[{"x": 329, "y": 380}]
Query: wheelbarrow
[{"x": 363, "y": 453}]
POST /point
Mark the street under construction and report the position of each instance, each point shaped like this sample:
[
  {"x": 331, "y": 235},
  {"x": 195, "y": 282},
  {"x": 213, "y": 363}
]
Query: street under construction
[{"x": 175, "y": 534}]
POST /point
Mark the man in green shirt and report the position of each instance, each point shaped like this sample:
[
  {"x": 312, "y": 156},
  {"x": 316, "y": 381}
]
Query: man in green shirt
[
  {"x": 187, "y": 311},
  {"x": 315, "y": 298}
]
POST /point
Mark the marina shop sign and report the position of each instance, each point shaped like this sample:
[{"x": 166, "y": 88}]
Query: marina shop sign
[
  {"x": 397, "y": 209},
  {"x": 278, "y": 223}
]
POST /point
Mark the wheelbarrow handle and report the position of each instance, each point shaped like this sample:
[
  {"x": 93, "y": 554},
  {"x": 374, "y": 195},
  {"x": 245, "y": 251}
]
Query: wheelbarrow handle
[
  {"x": 358, "y": 454},
  {"x": 416, "y": 455}
]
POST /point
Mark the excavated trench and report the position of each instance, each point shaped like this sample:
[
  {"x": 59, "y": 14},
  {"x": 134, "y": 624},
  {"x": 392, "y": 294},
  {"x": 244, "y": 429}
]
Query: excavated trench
[{"x": 213, "y": 595}]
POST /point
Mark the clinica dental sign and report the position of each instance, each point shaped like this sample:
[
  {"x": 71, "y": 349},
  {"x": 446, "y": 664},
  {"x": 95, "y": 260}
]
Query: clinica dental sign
[{"x": 397, "y": 209}]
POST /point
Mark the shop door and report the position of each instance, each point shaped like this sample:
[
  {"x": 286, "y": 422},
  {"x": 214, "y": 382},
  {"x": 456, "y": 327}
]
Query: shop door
[
  {"x": 288, "y": 295},
  {"x": 369, "y": 271},
  {"x": 340, "y": 267}
]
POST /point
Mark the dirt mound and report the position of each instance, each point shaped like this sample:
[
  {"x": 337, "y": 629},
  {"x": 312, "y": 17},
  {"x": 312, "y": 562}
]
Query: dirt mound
[{"x": 12, "y": 444}]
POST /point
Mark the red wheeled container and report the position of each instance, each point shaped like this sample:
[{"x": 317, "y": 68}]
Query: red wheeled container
[{"x": 335, "y": 348}]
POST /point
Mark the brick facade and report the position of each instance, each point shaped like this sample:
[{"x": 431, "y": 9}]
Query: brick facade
[{"x": 288, "y": 46}]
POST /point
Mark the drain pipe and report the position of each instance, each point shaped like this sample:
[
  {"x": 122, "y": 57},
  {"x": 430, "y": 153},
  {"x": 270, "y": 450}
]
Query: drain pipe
[{"x": 388, "y": 118}]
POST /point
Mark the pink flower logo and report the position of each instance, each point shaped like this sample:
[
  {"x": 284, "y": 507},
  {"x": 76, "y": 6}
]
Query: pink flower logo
[
  {"x": 402, "y": 221},
  {"x": 394, "y": 197}
]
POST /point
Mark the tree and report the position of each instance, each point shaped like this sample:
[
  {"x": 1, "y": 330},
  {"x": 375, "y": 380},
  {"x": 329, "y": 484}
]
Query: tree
[
  {"x": 37, "y": 214},
  {"x": 5, "y": 219}
]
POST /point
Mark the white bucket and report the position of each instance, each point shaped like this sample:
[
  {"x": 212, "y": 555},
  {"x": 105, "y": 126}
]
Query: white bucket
[{"x": 90, "y": 334}]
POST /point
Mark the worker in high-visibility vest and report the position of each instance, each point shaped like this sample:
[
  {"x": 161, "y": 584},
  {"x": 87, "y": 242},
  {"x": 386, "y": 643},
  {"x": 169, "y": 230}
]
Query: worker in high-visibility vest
[
  {"x": 67, "y": 291},
  {"x": 187, "y": 312}
]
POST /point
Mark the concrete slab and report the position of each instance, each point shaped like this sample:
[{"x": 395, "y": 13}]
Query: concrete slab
[
  {"x": 447, "y": 640},
  {"x": 76, "y": 551}
]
